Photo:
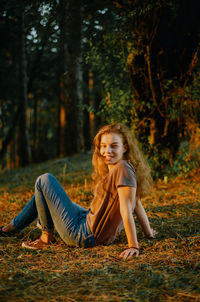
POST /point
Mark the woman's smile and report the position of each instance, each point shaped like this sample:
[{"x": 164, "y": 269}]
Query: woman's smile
[{"x": 112, "y": 148}]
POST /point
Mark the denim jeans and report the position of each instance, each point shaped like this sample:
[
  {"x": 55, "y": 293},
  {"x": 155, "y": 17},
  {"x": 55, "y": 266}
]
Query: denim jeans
[{"x": 55, "y": 209}]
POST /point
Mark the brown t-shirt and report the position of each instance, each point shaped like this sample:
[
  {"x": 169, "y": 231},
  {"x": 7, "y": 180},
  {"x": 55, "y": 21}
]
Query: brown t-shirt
[{"x": 104, "y": 216}]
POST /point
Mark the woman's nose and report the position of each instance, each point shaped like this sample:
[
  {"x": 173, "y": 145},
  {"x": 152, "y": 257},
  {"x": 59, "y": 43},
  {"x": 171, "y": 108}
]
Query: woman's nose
[{"x": 108, "y": 149}]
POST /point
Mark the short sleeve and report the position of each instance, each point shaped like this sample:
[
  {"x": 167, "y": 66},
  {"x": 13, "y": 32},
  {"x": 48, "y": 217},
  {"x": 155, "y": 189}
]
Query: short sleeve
[{"x": 125, "y": 175}]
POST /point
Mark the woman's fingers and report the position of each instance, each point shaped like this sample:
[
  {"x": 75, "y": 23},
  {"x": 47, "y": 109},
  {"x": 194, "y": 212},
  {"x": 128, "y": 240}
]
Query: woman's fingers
[
  {"x": 128, "y": 253},
  {"x": 155, "y": 233}
]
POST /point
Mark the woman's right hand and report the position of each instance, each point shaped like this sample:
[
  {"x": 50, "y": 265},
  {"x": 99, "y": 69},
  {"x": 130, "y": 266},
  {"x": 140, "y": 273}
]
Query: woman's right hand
[{"x": 128, "y": 253}]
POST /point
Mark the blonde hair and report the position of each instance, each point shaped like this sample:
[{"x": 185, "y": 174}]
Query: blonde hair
[{"x": 133, "y": 154}]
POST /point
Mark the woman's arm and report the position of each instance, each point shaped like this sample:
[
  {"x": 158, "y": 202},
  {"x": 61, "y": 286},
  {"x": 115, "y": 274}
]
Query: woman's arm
[
  {"x": 143, "y": 219},
  {"x": 126, "y": 199}
]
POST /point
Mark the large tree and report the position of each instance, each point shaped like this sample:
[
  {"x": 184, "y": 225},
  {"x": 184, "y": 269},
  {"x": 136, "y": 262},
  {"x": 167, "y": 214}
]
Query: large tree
[
  {"x": 24, "y": 150},
  {"x": 14, "y": 121},
  {"x": 70, "y": 123}
]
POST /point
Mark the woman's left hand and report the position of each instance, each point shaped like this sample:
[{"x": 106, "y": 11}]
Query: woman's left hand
[{"x": 128, "y": 253}]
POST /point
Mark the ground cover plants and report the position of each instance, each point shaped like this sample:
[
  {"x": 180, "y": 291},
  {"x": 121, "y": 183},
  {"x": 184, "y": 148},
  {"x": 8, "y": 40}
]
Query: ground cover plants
[{"x": 166, "y": 270}]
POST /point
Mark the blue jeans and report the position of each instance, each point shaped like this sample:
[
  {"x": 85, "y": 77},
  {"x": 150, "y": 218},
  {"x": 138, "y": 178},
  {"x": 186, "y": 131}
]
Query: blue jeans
[{"x": 54, "y": 209}]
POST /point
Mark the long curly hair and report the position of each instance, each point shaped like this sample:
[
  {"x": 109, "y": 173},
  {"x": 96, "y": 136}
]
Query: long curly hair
[{"x": 133, "y": 154}]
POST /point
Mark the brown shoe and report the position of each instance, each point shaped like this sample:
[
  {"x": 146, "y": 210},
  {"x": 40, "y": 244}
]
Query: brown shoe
[{"x": 38, "y": 244}]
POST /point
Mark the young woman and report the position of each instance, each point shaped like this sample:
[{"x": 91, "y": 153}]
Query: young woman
[{"x": 122, "y": 177}]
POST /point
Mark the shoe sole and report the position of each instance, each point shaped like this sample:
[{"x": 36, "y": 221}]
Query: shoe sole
[{"x": 28, "y": 247}]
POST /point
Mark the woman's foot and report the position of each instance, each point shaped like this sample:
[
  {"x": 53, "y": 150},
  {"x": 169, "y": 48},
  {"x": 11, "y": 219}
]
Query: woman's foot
[
  {"x": 41, "y": 243},
  {"x": 47, "y": 237},
  {"x": 37, "y": 244},
  {"x": 8, "y": 231}
]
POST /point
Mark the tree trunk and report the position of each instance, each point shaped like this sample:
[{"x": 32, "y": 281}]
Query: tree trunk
[
  {"x": 24, "y": 150},
  {"x": 79, "y": 81},
  {"x": 10, "y": 134},
  {"x": 70, "y": 138},
  {"x": 36, "y": 129},
  {"x": 61, "y": 138}
]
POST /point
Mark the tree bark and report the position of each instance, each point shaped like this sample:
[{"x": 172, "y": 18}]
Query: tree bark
[
  {"x": 24, "y": 150},
  {"x": 61, "y": 92},
  {"x": 10, "y": 134},
  {"x": 79, "y": 81},
  {"x": 70, "y": 137}
]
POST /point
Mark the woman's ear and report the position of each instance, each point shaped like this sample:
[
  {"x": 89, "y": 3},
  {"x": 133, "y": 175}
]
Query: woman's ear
[{"x": 125, "y": 148}]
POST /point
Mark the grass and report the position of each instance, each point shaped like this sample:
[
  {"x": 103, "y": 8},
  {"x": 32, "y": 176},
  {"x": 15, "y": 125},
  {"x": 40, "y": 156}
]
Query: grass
[{"x": 166, "y": 270}]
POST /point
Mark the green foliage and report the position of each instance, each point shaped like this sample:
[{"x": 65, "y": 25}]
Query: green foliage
[
  {"x": 185, "y": 161},
  {"x": 117, "y": 108},
  {"x": 114, "y": 40},
  {"x": 163, "y": 165}
]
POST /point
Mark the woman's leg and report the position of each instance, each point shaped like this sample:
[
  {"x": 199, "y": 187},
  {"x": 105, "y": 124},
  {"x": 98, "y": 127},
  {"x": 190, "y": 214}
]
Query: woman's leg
[
  {"x": 23, "y": 219},
  {"x": 26, "y": 216},
  {"x": 56, "y": 209}
]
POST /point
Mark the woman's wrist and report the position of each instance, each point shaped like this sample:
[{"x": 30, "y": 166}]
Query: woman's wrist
[{"x": 133, "y": 247}]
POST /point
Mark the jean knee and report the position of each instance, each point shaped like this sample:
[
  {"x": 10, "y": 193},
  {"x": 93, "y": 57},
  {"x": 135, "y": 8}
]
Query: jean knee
[{"x": 43, "y": 179}]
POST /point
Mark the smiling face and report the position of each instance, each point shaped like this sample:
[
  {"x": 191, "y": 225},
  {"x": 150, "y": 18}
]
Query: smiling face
[{"x": 112, "y": 148}]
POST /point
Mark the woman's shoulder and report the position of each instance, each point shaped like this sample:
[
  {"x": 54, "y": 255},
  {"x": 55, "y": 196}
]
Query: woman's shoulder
[
  {"x": 125, "y": 164},
  {"x": 124, "y": 174},
  {"x": 124, "y": 167}
]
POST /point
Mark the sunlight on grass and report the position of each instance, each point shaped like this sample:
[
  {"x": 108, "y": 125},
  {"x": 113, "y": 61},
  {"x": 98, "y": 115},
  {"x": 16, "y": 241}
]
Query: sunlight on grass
[{"x": 166, "y": 270}]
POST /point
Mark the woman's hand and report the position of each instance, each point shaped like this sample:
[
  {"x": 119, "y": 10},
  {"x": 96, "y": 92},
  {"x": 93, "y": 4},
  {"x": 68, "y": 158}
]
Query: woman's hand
[
  {"x": 128, "y": 253},
  {"x": 153, "y": 234}
]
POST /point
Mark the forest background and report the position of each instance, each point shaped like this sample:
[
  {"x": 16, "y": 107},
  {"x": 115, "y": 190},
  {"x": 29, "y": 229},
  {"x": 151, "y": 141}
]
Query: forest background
[{"x": 68, "y": 67}]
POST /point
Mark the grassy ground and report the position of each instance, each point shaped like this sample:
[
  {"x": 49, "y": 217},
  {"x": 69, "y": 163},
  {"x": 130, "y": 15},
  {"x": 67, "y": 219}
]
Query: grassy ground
[{"x": 166, "y": 270}]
